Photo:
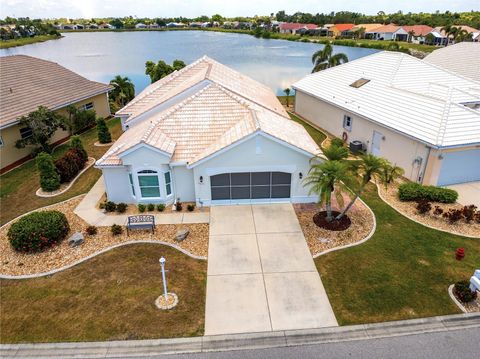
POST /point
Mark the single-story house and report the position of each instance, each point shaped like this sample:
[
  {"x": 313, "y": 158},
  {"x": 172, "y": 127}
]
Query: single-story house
[
  {"x": 417, "y": 33},
  {"x": 339, "y": 29},
  {"x": 417, "y": 115},
  {"x": 365, "y": 27},
  {"x": 140, "y": 26},
  {"x": 388, "y": 32},
  {"x": 294, "y": 27},
  {"x": 210, "y": 135},
  {"x": 29, "y": 82},
  {"x": 462, "y": 58}
]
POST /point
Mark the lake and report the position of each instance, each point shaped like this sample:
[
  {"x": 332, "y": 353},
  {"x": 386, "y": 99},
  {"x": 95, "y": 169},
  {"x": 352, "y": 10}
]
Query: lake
[{"x": 100, "y": 56}]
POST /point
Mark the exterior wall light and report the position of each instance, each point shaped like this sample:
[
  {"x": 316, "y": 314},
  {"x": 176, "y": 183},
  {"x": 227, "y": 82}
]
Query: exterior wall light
[
  {"x": 201, "y": 179},
  {"x": 300, "y": 175},
  {"x": 440, "y": 156}
]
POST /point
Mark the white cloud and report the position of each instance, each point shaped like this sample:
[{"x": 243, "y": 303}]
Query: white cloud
[{"x": 192, "y": 8}]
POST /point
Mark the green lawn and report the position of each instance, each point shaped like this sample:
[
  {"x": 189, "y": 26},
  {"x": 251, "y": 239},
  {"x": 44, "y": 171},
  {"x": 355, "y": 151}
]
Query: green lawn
[
  {"x": 17, "y": 190},
  {"x": 27, "y": 40},
  {"x": 110, "y": 297},
  {"x": 317, "y": 135},
  {"x": 402, "y": 272}
]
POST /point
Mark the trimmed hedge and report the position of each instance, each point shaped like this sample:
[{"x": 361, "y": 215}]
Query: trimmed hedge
[
  {"x": 38, "y": 230},
  {"x": 416, "y": 192},
  {"x": 103, "y": 133}
]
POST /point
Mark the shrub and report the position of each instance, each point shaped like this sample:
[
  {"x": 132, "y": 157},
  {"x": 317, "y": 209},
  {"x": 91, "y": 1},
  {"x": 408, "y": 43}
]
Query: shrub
[
  {"x": 179, "y": 206},
  {"x": 103, "y": 133},
  {"x": 437, "y": 211},
  {"x": 462, "y": 291},
  {"x": 150, "y": 207},
  {"x": 76, "y": 142},
  {"x": 38, "y": 230},
  {"x": 121, "y": 207},
  {"x": 453, "y": 215},
  {"x": 337, "y": 142},
  {"x": 70, "y": 164},
  {"x": 110, "y": 206},
  {"x": 423, "y": 206},
  {"x": 83, "y": 119},
  {"x": 49, "y": 177},
  {"x": 116, "y": 229},
  {"x": 160, "y": 207},
  {"x": 91, "y": 230},
  {"x": 190, "y": 207},
  {"x": 141, "y": 208},
  {"x": 414, "y": 191},
  {"x": 468, "y": 212}
]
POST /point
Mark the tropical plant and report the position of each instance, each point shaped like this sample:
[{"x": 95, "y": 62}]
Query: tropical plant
[
  {"x": 76, "y": 142},
  {"x": 103, "y": 133},
  {"x": 389, "y": 173},
  {"x": 287, "y": 93},
  {"x": 159, "y": 70},
  {"x": 70, "y": 164},
  {"x": 49, "y": 177},
  {"x": 335, "y": 152},
  {"x": 411, "y": 34},
  {"x": 327, "y": 178},
  {"x": 42, "y": 123},
  {"x": 123, "y": 90},
  {"x": 324, "y": 59}
]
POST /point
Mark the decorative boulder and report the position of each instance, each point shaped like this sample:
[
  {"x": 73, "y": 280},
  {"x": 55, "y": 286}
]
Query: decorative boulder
[
  {"x": 182, "y": 234},
  {"x": 76, "y": 239}
]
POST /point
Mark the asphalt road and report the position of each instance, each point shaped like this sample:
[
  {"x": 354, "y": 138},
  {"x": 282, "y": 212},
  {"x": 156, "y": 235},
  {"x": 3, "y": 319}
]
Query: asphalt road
[{"x": 464, "y": 343}]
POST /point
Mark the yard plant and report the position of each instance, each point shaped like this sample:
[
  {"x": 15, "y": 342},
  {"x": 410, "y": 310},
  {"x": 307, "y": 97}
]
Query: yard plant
[
  {"x": 38, "y": 230},
  {"x": 104, "y": 135},
  {"x": 411, "y": 191},
  {"x": 49, "y": 177}
]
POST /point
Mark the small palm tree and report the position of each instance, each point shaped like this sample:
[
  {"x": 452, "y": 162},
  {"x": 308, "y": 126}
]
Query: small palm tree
[
  {"x": 123, "y": 90},
  {"x": 390, "y": 173},
  {"x": 324, "y": 59},
  {"x": 411, "y": 34},
  {"x": 327, "y": 178},
  {"x": 335, "y": 153},
  {"x": 287, "y": 93}
]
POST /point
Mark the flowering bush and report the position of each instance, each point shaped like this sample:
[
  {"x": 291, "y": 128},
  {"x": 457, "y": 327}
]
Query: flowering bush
[{"x": 38, "y": 230}]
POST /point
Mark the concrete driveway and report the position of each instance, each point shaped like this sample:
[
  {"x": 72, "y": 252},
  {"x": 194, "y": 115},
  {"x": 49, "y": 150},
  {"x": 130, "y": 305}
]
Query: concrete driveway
[
  {"x": 261, "y": 275},
  {"x": 468, "y": 193}
]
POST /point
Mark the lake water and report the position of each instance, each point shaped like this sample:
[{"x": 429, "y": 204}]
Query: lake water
[{"x": 100, "y": 56}]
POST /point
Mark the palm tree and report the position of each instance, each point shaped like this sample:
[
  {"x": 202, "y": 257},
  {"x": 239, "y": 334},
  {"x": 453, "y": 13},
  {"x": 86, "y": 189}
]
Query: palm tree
[
  {"x": 324, "y": 59},
  {"x": 390, "y": 173},
  {"x": 335, "y": 153},
  {"x": 123, "y": 90},
  {"x": 287, "y": 93},
  {"x": 327, "y": 178},
  {"x": 411, "y": 34}
]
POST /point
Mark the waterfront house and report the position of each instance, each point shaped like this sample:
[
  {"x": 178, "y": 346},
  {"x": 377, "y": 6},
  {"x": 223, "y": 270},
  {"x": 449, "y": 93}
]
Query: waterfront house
[
  {"x": 294, "y": 27},
  {"x": 29, "y": 82},
  {"x": 388, "y": 32},
  {"x": 417, "y": 33},
  {"x": 417, "y": 115},
  {"x": 207, "y": 134},
  {"x": 140, "y": 25},
  {"x": 365, "y": 27},
  {"x": 339, "y": 29}
]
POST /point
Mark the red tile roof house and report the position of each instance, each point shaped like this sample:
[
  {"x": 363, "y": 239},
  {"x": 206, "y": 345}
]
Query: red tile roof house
[
  {"x": 339, "y": 29},
  {"x": 293, "y": 27},
  {"x": 388, "y": 32},
  {"x": 419, "y": 32}
]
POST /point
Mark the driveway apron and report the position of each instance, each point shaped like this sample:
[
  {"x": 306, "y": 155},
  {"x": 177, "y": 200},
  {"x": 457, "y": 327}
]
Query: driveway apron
[{"x": 261, "y": 275}]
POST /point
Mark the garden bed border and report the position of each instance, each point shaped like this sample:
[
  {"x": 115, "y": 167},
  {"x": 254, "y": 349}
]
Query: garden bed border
[{"x": 455, "y": 300}]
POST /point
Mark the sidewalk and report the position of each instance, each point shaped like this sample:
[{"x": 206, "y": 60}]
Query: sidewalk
[{"x": 88, "y": 211}]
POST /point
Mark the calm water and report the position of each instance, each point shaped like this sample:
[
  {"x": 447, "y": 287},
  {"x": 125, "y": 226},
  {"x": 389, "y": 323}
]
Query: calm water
[{"x": 100, "y": 56}]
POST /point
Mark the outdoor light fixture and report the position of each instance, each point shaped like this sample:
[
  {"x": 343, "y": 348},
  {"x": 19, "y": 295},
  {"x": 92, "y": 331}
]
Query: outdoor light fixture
[
  {"x": 300, "y": 175},
  {"x": 201, "y": 179}
]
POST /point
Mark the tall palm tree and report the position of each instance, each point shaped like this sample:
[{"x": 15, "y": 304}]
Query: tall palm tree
[
  {"x": 287, "y": 93},
  {"x": 327, "y": 178},
  {"x": 123, "y": 90},
  {"x": 324, "y": 59}
]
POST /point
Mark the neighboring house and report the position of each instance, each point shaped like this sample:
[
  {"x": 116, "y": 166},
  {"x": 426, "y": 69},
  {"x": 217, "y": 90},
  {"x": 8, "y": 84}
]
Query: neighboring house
[
  {"x": 441, "y": 38},
  {"x": 462, "y": 58},
  {"x": 388, "y": 32},
  {"x": 27, "y": 83},
  {"x": 140, "y": 26},
  {"x": 417, "y": 33},
  {"x": 210, "y": 135},
  {"x": 106, "y": 26},
  {"x": 339, "y": 29},
  {"x": 294, "y": 27},
  {"x": 366, "y": 28},
  {"x": 417, "y": 115}
]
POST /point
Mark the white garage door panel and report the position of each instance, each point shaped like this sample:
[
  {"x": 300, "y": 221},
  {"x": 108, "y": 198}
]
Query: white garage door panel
[{"x": 460, "y": 167}]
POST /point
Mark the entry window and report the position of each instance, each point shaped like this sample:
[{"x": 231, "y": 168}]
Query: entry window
[
  {"x": 347, "y": 123},
  {"x": 26, "y": 132},
  {"x": 130, "y": 178},
  {"x": 168, "y": 183},
  {"x": 148, "y": 183}
]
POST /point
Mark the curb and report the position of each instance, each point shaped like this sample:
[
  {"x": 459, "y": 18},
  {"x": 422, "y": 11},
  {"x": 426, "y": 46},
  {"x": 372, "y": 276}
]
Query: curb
[
  {"x": 93, "y": 255},
  {"x": 218, "y": 343},
  {"x": 455, "y": 300}
]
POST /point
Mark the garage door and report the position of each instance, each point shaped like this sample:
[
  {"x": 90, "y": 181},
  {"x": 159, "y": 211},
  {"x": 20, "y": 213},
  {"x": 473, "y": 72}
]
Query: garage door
[
  {"x": 250, "y": 185},
  {"x": 460, "y": 167}
]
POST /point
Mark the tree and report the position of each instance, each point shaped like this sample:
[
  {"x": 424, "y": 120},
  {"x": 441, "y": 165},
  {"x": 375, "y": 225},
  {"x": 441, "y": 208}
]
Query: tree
[
  {"x": 161, "y": 69},
  {"x": 411, "y": 34},
  {"x": 76, "y": 142},
  {"x": 390, "y": 173},
  {"x": 324, "y": 59},
  {"x": 49, "y": 178},
  {"x": 327, "y": 178},
  {"x": 287, "y": 93},
  {"x": 123, "y": 90},
  {"x": 335, "y": 153},
  {"x": 43, "y": 123},
  {"x": 103, "y": 133}
]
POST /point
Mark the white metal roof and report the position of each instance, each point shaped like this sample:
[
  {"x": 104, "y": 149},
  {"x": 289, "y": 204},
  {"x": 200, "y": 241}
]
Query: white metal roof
[{"x": 406, "y": 94}]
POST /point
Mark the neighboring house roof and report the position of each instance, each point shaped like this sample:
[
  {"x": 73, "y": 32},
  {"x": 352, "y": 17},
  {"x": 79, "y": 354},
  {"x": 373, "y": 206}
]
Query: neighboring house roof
[
  {"x": 408, "y": 95},
  {"x": 208, "y": 120},
  {"x": 296, "y": 26},
  {"x": 418, "y": 30},
  {"x": 342, "y": 27},
  {"x": 200, "y": 73},
  {"x": 462, "y": 58},
  {"x": 367, "y": 27},
  {"x": 28, "y": 82},
  {"x": 386, "y": 29}
]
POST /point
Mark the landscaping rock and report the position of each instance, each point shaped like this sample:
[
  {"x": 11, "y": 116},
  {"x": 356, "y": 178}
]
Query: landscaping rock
[
  {"x": 76, "y": 239},
  {"x": 182, "y": 234}
]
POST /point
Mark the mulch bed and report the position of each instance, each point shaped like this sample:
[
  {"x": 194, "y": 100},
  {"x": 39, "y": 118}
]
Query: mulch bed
[
  {"x": 342, "y": 224},
  {"x": 470, "y": 307}
]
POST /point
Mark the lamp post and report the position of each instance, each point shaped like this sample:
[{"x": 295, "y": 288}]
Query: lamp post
[{"x": 162, "y": 265}]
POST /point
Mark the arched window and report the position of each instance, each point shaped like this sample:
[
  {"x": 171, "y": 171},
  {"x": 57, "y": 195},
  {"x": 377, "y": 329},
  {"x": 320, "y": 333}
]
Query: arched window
[{"x": 148, "y": 183}]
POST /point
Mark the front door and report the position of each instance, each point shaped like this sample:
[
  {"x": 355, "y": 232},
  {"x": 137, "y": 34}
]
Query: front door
[{"x": 376, "y": 141}]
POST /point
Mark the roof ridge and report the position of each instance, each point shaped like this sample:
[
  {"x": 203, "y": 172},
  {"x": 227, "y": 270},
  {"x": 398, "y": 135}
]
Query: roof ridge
[{"x": 444, "y": 119}]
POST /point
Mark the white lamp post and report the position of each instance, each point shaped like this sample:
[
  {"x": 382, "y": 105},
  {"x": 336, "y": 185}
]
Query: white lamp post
[{"x": 162, "y": 265}]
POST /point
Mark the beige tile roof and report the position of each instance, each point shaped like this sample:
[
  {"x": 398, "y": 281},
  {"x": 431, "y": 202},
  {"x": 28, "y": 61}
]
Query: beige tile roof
[
  {"x": 204, "y": 69},
  {"x": 28, "y": 82},
  {"x": 206, "y": 122}
]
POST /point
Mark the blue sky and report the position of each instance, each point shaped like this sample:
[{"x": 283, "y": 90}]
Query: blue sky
[{"x": 193, "y": 8}]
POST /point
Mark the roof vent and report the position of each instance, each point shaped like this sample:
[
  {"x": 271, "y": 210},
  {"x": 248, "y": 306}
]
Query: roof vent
[{"x": 359, "y": 83}]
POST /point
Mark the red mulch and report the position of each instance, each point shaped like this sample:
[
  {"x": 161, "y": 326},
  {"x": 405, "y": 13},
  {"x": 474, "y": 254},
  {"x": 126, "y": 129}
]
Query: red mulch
[{"x": 320, "y": 219}]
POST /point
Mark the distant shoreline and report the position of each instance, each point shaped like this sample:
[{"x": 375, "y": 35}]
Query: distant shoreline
[{"x": 27, "y": 41}]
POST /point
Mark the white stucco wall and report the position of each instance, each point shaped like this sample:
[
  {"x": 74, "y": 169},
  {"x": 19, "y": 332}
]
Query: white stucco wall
[
  {"x": 183, "y": 179},
  {"x": 117, "y": 185},
  {"x": 397, "y": 148},
  {"x": 244, "y": 158}
]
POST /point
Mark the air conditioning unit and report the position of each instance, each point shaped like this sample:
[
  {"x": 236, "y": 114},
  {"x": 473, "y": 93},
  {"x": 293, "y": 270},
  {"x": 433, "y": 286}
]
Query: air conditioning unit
[{"x": 356, "y": 146}]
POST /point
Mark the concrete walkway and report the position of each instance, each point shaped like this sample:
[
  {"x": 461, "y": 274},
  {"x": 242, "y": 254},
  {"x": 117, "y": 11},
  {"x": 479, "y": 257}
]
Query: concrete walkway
[
  {"x": 468, "y": 193},
  {"x": 88, "y": 211},
  {"x": 261, "y": 275}
]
